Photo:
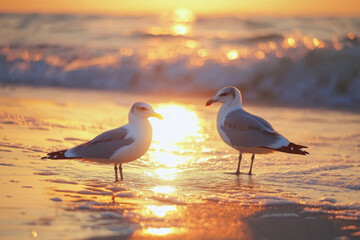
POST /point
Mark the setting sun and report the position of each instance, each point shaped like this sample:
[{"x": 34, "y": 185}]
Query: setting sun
[{"x": 183, "y": 15}]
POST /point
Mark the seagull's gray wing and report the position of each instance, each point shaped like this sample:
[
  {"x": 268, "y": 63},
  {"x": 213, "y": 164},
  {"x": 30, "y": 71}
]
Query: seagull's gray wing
[
  {"x": 265, "y": 123},
  {"x": 246, "y": 130},
  {"x": 104, "y": 145}
]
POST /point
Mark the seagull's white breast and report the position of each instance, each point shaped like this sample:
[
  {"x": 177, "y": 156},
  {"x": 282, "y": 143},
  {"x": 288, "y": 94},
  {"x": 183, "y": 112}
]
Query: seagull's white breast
[{"x": 223, "y": 111}]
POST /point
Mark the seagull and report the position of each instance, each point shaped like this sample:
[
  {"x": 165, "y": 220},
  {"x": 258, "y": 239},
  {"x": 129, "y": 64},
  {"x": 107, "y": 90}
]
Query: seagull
[
  {"x": 246, "y": 132},
  {"x": 119, "y": 145}
]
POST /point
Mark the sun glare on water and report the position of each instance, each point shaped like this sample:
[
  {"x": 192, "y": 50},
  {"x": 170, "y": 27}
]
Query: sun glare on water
[
  {"x": 180, "y": 124},
  {"x": 179, "y": 29},
  {"x": 161, "y": 211},
  {"x": 158, "y": 231},
  {"x": 162, "y": 232},
  {"x": 167, "y": 173},
  {"x": 163, "y": 189}
]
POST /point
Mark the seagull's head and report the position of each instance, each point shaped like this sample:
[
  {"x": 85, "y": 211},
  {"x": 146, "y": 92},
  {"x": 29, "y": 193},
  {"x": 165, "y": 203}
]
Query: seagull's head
[
  {"x": 226, "y": 95},
  {"x": 143, "y": 110}
]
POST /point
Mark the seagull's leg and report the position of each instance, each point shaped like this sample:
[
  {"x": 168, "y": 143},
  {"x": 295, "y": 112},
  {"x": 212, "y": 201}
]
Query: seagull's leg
[
  {"x": 121, "y": 175},
  {"x": 116, "y": 176},
  {"x": 252, "y": 160},
  {"x": 238, "y": 169}
]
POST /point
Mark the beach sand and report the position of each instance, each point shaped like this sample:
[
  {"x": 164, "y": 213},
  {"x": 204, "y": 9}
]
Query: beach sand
[{"x": 180, "y": 188}]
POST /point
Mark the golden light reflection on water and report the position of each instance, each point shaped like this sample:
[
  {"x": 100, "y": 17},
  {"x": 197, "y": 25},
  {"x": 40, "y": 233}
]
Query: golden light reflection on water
[
  {"x": 167, "y": 173},
  {"x": 196, "y": 51},
  {"x": 161, "y": 211},
  {"x": 291, "y": 42},
  {"x": 169, "y": 131},
  {"x": 168, "y": 135},
  {"x": 195, "y": 221},
  {"x": 232, "y": 54},
  {"x": 158, "y": 231},
  {"x": 168, "y": 159},
  {"x": 180, "y": 29},
  {"x": 163, "y": 189},
  {"x": 163, "y": 231}
]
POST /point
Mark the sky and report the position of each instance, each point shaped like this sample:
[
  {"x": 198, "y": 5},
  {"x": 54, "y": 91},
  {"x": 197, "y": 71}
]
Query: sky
[{"x": 201, "y": 7}]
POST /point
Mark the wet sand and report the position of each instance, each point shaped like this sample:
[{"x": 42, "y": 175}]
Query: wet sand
[{"x": 177, "y": 190}]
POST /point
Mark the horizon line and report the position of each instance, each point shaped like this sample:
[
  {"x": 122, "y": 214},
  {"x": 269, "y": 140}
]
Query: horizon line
[{"x": 222, "y": 14}]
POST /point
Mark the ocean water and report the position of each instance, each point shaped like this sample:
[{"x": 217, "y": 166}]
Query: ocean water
[
  {"x": 302, "y": 61},
  {"x": 184, "y": 186}
]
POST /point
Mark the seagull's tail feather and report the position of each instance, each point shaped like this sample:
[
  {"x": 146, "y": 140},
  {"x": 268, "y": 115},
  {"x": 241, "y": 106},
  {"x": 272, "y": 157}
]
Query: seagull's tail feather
[
  {"x": 293, "y": 149},
  {"x": 57, "y": 155}
]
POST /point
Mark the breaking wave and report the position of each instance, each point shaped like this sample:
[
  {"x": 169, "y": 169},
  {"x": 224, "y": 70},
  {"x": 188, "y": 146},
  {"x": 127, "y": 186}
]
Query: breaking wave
[{"x": 266, "y": 62}]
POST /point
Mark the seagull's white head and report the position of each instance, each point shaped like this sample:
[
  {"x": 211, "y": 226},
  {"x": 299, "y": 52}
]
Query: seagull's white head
[
  {"x": 143, "y": 111},
  {"x": 226, "y": 95}
]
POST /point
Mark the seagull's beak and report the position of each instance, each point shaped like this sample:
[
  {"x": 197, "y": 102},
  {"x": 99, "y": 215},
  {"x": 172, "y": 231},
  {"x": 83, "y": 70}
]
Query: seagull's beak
[
  {"x": 157, "y": 115},
  {"x": 211, "y": 101}
]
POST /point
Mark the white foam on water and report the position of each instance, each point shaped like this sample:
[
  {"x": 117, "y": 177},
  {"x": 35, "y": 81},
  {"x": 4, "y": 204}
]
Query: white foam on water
[{"x": 315, "y": 70}]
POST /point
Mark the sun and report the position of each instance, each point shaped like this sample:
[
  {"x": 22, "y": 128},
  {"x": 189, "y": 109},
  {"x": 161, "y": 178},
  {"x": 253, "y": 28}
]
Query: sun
[
  {"x": 182, "y": 19},
  {"x": 183, "y": 15}
]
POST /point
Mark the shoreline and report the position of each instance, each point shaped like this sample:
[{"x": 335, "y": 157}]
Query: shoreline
[{"x": 187, "y": 97}]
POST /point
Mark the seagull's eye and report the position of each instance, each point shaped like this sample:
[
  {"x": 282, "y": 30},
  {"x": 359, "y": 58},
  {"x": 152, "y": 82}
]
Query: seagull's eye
[
  {"x": 223, "y": 94},
  {"x": 142, "y": 108}
]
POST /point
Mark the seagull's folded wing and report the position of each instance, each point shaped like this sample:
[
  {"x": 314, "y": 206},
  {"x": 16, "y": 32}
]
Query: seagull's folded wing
[
  {"x": 246, "y": 130},
  {"x": 103, "y": 146}
]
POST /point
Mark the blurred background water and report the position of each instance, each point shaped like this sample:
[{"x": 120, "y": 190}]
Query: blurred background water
[{"x": 293, "y": 60}]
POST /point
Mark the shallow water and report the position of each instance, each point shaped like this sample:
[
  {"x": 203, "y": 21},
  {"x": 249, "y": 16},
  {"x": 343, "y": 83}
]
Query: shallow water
[{"x": 183, "y": 186}]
